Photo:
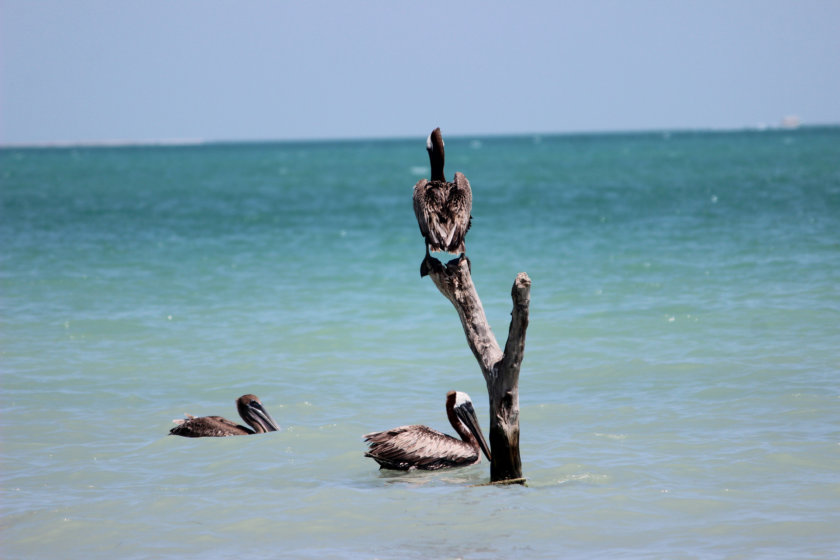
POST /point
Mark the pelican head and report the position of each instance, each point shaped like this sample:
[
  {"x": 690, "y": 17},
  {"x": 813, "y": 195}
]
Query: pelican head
[
  {"x": 434, "y": 145},
  {"x": 251, "y": 410},
  {"x": 464, "y": 412}
]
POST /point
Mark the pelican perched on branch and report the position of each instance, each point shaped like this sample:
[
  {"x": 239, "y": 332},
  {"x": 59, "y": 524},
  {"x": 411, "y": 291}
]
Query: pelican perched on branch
[
  {"x": 250, "y": 409},
  {"x": 420, "y": 447},
  {"x": 442, "y": 208}
]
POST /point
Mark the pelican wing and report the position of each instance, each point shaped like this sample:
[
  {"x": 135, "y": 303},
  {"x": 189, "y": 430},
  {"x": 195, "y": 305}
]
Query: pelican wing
[
  {"x": 419, "y": 213},
  {"x": 431, "y": 209},
  {"x": 418, "y": 447},
  {"x": 208, "y": 426},
  {"x": 459, "y": 205}
]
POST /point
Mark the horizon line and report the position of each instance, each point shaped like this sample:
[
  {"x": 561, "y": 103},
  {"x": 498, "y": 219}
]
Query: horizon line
[{"x": 178, "y": 142}]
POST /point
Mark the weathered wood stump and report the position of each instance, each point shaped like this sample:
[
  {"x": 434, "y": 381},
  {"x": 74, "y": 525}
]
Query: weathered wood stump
[{"x": 500, "y": 368}]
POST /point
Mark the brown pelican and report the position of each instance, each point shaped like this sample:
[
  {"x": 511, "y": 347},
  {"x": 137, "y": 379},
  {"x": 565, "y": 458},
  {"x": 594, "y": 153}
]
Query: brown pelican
[
  {"x": 419, "y": 447},
  {"x": 250, "y": 409},
  {"x": 442, "y": 208}
]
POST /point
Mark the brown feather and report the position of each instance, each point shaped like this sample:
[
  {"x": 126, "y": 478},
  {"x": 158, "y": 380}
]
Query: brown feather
[
  {"x": 443, "y": 213},
  {"x": 209, "y": 426},
  {"x": 418, "y": 447}
]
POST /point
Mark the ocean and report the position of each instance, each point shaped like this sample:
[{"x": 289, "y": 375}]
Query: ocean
[{"x": 680, "y": 392}]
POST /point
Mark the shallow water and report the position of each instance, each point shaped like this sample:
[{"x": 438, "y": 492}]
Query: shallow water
[{"x": 679, "y": 395}]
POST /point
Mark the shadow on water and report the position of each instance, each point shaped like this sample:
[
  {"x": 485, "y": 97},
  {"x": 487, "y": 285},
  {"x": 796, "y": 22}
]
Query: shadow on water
[{"x": 472, "y": 475}]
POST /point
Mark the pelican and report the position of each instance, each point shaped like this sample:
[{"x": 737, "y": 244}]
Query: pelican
[
  {"x": 420, "y": 447},
  {"x": 250, "y": 409},
  {"x": 442, "y": 208}
]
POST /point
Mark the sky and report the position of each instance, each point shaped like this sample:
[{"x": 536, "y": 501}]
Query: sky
[{"x": 182, "y": 70}]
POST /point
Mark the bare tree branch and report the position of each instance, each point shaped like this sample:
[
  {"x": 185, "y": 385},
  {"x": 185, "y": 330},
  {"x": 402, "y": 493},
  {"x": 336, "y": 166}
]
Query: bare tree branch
[{"x": 500, "y": 369}]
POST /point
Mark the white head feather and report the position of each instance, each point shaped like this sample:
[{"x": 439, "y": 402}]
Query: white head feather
[
  {"x": 462, "y": 398},
  {"x": 429, "y": 142}
]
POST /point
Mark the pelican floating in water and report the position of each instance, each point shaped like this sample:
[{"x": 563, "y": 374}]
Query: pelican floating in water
[
  {"x": 442, "y": 208},
  {"x": 250, "y": 409},
  {"x": 420, "y": 447}
]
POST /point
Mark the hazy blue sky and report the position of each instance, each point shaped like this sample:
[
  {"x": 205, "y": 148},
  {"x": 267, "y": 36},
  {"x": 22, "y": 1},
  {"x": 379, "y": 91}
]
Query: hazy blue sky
[{"x": 96, "y": 70}]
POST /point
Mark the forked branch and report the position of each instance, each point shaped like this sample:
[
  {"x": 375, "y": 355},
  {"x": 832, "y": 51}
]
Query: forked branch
[{"x": 500, "y": 369}]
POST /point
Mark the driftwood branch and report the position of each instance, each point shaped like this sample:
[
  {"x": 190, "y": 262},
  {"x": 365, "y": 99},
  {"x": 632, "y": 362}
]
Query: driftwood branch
[
  {"x": 500, "y": 369},
  {"x": 515, "y": 346},
  {"x": 455, "y": 282}
]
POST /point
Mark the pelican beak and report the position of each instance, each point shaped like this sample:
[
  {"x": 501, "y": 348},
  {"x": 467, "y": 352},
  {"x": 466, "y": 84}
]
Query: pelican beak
[
  {"x": 466, "y": 413},
  {"x": 262, "y": 416}
]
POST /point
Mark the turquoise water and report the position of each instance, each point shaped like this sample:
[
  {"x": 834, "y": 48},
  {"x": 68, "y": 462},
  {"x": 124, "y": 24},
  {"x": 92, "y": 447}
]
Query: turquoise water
[{"x": 680, "y": 394}]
